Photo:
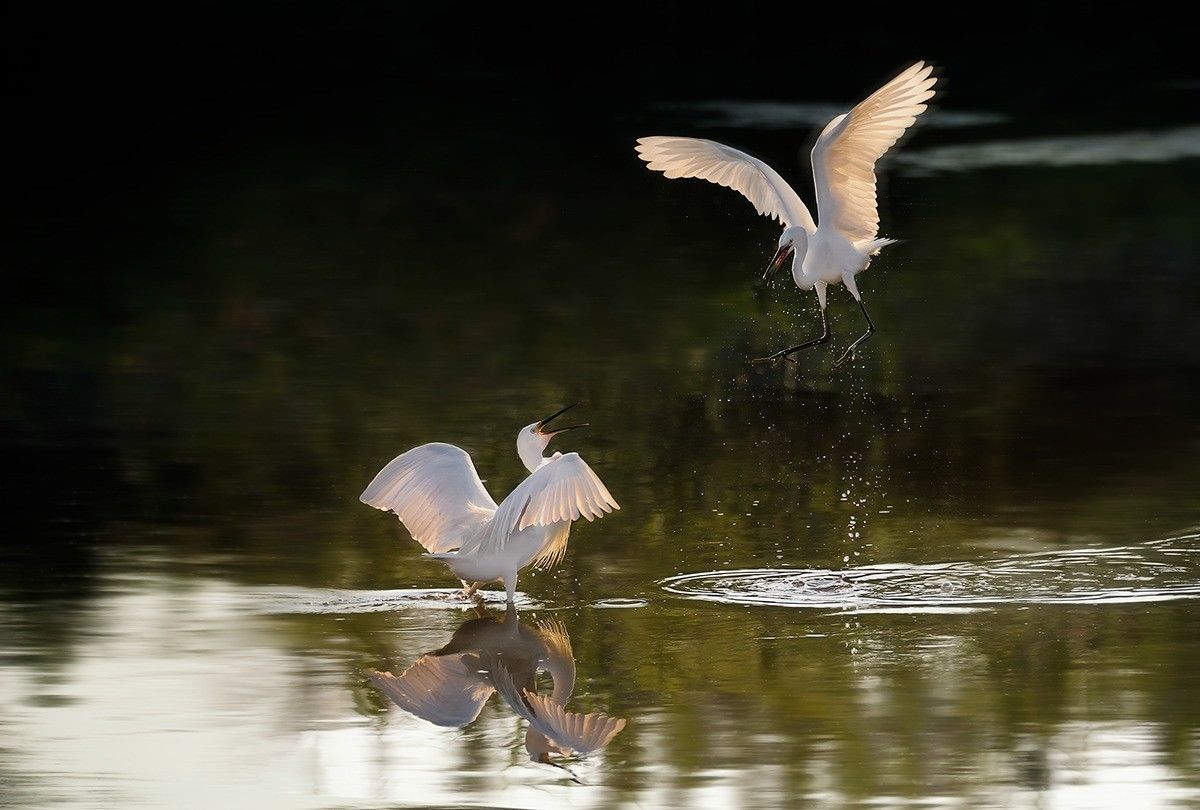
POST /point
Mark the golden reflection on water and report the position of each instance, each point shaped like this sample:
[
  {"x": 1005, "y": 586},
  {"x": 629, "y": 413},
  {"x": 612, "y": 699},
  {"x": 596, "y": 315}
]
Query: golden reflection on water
[{"x": 186, "y": 684}]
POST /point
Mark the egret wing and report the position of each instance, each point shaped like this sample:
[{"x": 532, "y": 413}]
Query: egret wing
[
  {"x": 561, "y": 490},
  {"x": 555, "y": 547},
  {"x": 570, "y": 731},
  {"x": 729, "y": 167},
  {"x": 445, "y": 690},
  {"x": 435, "y": 492},
  {"x": 845, "y": 154},
  {"x": 560, "y": 657}
]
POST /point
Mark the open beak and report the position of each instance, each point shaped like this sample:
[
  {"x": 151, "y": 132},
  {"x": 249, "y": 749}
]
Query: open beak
[
  {"x": 777, "y": 262},
  {"x": 541, "y": 426}
]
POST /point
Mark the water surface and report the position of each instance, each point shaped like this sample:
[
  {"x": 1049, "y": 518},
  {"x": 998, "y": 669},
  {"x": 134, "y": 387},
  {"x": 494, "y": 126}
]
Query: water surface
[{"x": 961, "y": 571}]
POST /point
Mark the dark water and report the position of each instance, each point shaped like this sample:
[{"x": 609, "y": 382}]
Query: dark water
[{"x": 961, "y": 571}]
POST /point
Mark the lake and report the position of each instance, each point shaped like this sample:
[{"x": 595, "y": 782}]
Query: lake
[{"x": 961, "y": 570}]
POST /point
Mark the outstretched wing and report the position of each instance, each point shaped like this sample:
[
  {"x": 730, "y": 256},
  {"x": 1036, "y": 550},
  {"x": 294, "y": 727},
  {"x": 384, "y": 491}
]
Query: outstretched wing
[
  {"x": 844, "y": 156},
  {"x": 581, "y": 733},
  {"x": 561, "y": 490},
  {"x": 726, "y": 166},
  {"x": 555, "y": 547},
  {"x": 560, "y": 658},
  {"x": 445, "y": 690},
  {"x": 435, "y": 492}
]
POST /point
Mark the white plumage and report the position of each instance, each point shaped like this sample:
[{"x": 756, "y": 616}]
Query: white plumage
[
  {"x": 435, "y": 492},
  {"x": 728, "y": 167},
  {"x": 845, "y": 154},
  {"x": 448, "y": 687},
  {"x": 562, "y": 489},
  {"x": 568, "y": 732},
  {"x": 843, "y": 162},
  {"x": 446, "y": 690},
  {"x": 439, "y": 497}
]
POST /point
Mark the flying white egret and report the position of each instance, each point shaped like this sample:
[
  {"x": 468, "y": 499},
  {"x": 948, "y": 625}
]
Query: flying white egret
[
  {"x": 438, "y": 496},
  {"x": 449, "y": 686},
  {"x": 843, "y": 163}
]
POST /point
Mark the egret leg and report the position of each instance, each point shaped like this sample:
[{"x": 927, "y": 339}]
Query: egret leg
[
  {"x": 870, "y": 331},
  {"x": 785, "y": 354},
  {"x": 510, "y": 590}
]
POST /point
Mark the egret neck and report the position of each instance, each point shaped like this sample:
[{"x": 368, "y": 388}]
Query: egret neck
[{"x": 530, "y": 446}]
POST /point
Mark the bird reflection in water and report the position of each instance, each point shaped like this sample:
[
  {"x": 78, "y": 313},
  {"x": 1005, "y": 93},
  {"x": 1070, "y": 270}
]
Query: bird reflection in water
[{"x": 449, "y": 686}]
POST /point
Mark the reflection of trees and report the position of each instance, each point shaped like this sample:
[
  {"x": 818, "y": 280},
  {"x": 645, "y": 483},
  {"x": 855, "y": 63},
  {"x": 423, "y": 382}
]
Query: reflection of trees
[
  {"x": 304, "y": 326},
  {"x": 299, "y": 328},
  {"x": 886, "y": 705},
  {"x": 242, "y": 379}
]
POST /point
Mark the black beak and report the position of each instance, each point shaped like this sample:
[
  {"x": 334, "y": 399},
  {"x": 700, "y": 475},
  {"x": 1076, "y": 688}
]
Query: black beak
[
  {"x": 541, "y": 426},
  {"x": 777, "y": 262}
]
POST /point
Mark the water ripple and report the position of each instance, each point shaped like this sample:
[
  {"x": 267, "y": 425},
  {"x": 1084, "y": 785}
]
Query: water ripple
[
  {"x": 332, "y": 600},
  {"x": 1156, "y": 571},
  {"x": 623, "y": 604}
]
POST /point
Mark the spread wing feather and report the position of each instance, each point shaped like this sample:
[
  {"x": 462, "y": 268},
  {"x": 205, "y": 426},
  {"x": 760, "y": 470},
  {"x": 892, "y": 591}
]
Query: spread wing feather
[
  {"x": 581, "y": 733},
  {"x": 845, "y": 154},
  {"x": 436, "y": 492},
  {"x": 708, "y": 160},
  {"x": 563, "y": 489},
  {"x": 445, "y": 690},
  {"x": 555, "y": 548}
]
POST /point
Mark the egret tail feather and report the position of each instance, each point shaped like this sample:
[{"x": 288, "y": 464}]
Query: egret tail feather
[{"x": 876, "y": 245}]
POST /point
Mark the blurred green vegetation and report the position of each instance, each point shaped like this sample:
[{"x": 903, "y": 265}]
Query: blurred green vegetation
[{"x": 210, "y": 394}]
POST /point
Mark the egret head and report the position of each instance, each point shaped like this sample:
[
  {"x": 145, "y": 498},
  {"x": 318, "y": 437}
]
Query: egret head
[
  {"x": 792, "y": 242},
  {"x": 532, "y": 439}
]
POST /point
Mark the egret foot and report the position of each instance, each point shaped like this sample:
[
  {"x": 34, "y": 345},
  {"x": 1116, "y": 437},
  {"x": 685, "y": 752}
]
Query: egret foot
[
  {"x": 846, "y": 355},
  {"x": 778, "y": 357},
  {"x": 849, "y": 353},
  {"x": 786, "y": 354}
]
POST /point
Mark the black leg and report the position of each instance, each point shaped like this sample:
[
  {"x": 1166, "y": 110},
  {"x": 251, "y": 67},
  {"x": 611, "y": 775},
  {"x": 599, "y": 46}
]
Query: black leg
[
  {"x": 783, "y": 354},
  {"x": 870, "y": 331}
]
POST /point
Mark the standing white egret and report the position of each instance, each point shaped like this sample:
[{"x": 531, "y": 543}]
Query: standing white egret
[
  {"x": 438, "y": 496},
  {"x": 843, "y": 163}
]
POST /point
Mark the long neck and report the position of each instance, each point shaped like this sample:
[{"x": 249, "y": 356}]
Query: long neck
[
  {"x": 799, "y": 251},
  {"x": 530, "y": 451}
]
